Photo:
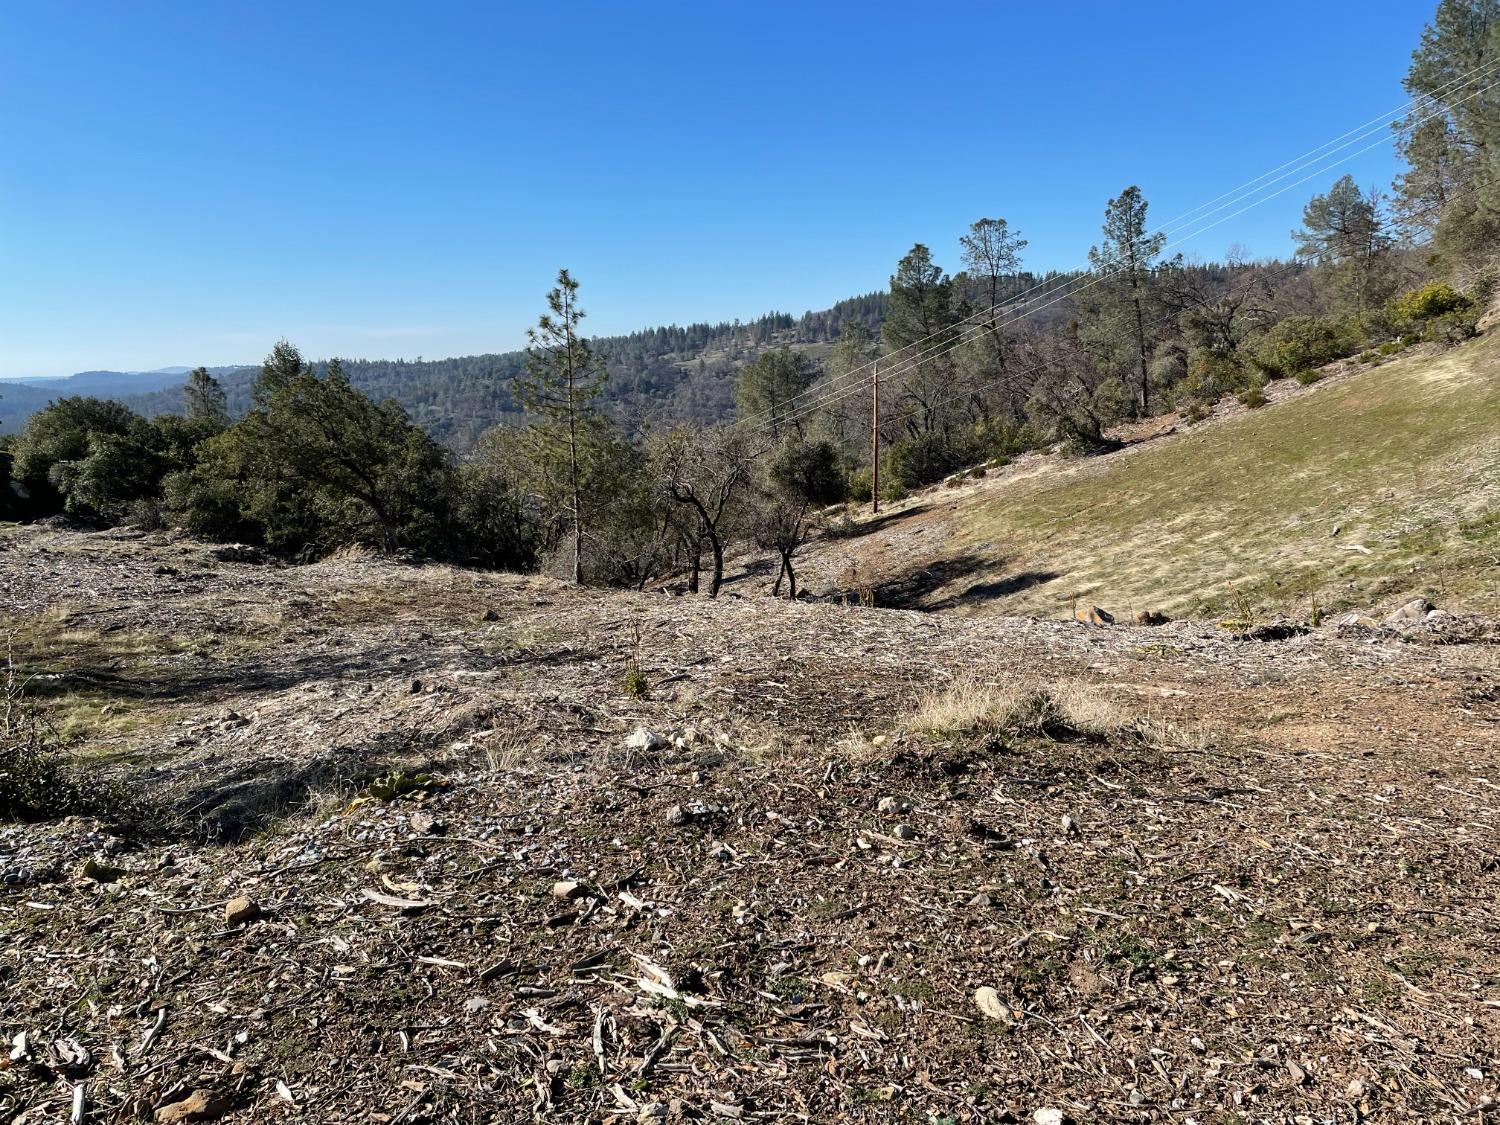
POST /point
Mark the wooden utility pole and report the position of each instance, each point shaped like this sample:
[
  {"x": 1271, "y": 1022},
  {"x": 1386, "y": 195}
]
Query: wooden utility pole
[{"x": 875, "y": 436}]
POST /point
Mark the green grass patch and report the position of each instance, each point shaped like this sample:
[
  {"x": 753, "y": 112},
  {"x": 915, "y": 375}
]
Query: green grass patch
[{"x": 1405, "y": 460}]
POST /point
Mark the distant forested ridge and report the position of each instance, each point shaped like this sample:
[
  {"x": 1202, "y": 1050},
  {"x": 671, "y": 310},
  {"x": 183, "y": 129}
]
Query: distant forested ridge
[{"x": 677, "y": 373}]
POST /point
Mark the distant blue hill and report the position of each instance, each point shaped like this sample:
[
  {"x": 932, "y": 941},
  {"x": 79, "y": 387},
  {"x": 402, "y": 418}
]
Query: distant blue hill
[{"x": 21, "y": 398}]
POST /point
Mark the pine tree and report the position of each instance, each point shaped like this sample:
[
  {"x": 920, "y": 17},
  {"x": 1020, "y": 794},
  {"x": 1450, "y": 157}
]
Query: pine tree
[
  {"x": 280, "y": 368},
  {"x": 1346, "y": 230},
  {"x": 1451, "y": 138},
  {"x": 1123, "y": 295},
  {"x": 561, "y": 380},
  {"x": 993, "y": 254},
  {"x": 768, "y": 388},
  {"x": 923, "y": 311},
  {"x": 204, "y": 400}
]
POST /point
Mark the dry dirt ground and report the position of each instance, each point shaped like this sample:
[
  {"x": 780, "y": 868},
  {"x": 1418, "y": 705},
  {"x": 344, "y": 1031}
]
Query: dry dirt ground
[{"x": 1222, "y": 879}]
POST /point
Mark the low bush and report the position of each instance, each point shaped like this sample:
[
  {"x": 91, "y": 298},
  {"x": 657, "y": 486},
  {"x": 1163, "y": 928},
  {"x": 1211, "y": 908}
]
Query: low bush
[
  {"x": 1432, "y": 300},
  {"x": 37, "y": 783},
  {"x": 1452, "y": 328},
  {"x": 1301, "y": 343}
]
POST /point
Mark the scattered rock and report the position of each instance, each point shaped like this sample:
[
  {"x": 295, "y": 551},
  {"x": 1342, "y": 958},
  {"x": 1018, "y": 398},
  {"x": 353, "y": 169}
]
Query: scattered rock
[
  {"x": 1414, "y": 610},
  {"x": 978, "y": 830},
  {"x": 423, "y": 823},
  {"x": 1049, "y": 1116},
  {"x": 200, "y": 1105},
  {"x": 416, "y": 687},
  {"x": 891, "y": 805},
  {"x": 72, "y": 1057},
  {"x": 646, "y": 740},
  {"x": 565, "y": 890},
  {"x": 1274, "y": 631},
  {"x": 490, "y": 615},
  {"x": 1093, "y": 615},
  {"x": 1151, "y": 617},
  {"x": 240, "y": 910},
  {"x": 240, "y": 553},
  {"x": 100, "y": 872},
  {"x": 988, "y": 1001},
  {"x": 694, "y": 812},
  {"x": 904, "y": 832}
]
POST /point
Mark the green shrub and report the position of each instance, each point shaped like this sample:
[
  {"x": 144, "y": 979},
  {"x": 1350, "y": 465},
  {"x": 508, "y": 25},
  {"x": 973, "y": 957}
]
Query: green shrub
[
  {"x": 635, "y": 684},
  {"x": 1309, "y": 377},
  {"x": 1253, "y": 396},
  {"x": 924, "y": 459},
  {"x": 1390, "y": 347},
  {"x": 1112, "y": 402},
  {"x": 844, "y": 527},
  {"x": 1435, "y": 299},
  {"x": 1211, "y": 376},
  {"x": 1302, "y": 343},
  {"x": 1452, "y": 328}
]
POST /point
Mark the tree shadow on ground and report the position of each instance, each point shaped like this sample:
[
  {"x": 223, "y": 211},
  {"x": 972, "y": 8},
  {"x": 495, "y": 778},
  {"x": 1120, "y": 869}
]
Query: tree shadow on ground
[
  {"x": 872, "y": 525},
  {"x": 914, "y": 589},
  {"x": 227, "y": 806},
  {"x": 910, "y": 589},
  {"x": 221, "y": 681},
  {"x": 991, "y": 591}
]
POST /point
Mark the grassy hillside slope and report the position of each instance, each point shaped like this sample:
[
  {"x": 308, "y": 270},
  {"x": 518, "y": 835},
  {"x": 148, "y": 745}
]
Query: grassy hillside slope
[{"x": 1402, "y": 459}]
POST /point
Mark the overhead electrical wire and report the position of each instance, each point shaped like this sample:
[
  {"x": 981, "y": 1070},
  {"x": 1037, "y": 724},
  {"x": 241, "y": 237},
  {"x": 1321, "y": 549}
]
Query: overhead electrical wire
[{"x": 964, "y": 330}]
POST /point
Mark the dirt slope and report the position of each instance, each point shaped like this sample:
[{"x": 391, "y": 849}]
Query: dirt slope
[
  {"x": 1231, "y": 880},
  {"x": 1377, "y": 484}
]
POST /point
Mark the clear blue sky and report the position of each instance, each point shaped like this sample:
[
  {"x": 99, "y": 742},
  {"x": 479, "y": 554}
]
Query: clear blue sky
[{"x": 185, "y": 182}]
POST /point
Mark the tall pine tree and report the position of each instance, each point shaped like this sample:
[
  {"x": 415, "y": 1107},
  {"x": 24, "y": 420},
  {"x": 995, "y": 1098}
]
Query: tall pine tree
[
  {"x": 559, "y": 385},
  {"x": 1121, "y": 299}
]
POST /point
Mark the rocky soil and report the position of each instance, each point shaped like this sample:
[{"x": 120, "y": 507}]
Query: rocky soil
[{"x": 1263, "y": 890}]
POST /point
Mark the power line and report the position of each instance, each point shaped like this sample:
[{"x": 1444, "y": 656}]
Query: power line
[
  {"x": 856, "y": 375},
  {"x": 1297, "y": 263},
  {"x": 965, "y": 331}
]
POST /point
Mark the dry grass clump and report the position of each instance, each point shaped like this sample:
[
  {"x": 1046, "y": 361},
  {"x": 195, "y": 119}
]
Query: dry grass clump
[
  {"x": 1062, "y": 710},
  {"x": 36, "y": 782}
]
